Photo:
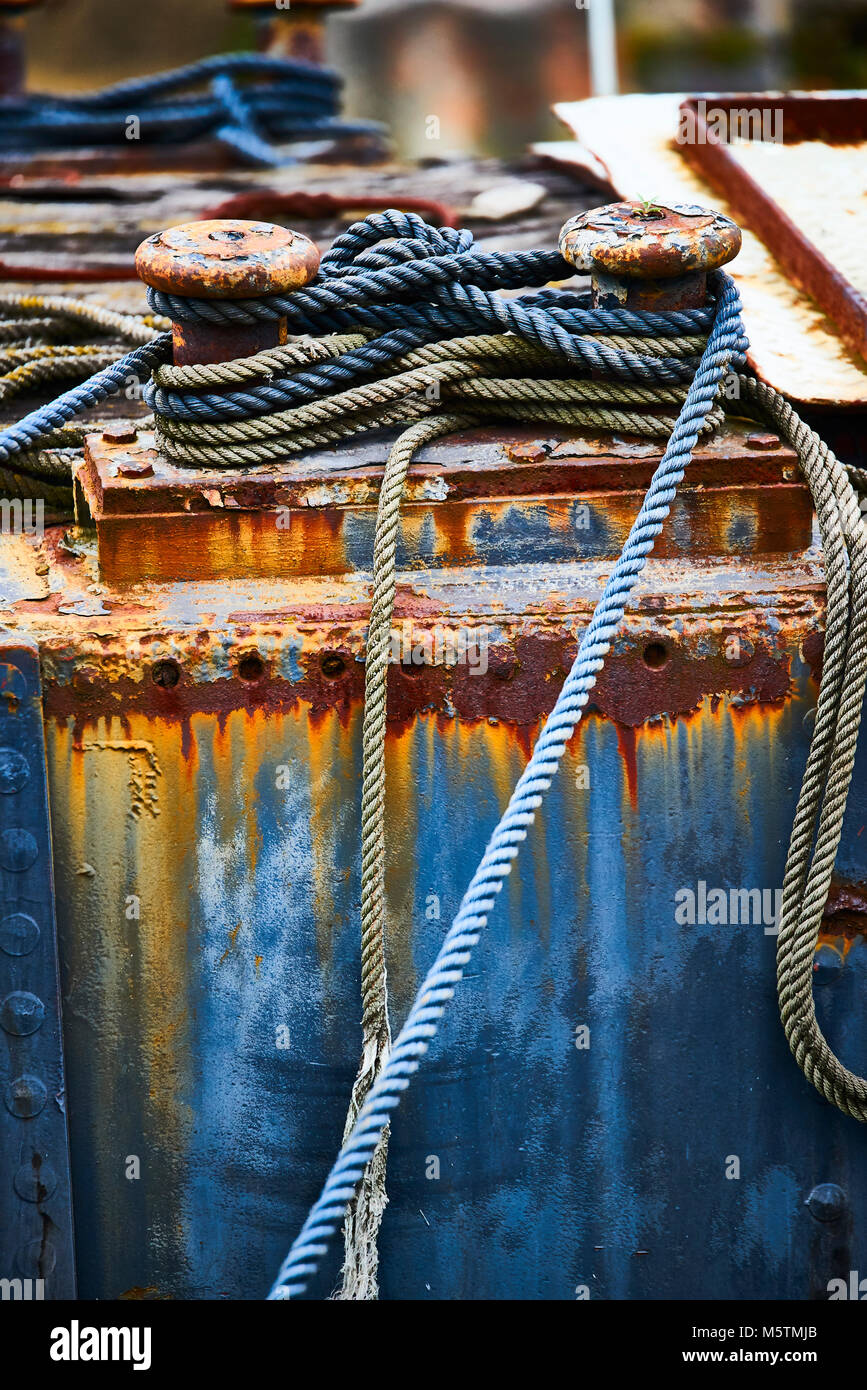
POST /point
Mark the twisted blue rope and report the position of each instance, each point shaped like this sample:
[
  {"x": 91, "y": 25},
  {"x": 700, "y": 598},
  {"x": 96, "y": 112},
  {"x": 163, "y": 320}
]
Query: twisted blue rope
[
  {"x": 420, "y": 1028},
  {"x": 30, "y": 432},
  {"x": 424, "y": 283},
  {"x": 254, "y": 103}
]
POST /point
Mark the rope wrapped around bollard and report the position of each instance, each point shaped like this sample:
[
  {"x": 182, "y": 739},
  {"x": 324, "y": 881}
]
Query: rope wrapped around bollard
[{"x": 407, "y": 324}]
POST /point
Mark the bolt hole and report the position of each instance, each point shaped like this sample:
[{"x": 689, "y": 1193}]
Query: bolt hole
[
  {"x": 655, "y": 655},
  {"x": 251, "y": 668},
  {"x": 166, "y": 674},
  {"x": 332, "y": 665}
]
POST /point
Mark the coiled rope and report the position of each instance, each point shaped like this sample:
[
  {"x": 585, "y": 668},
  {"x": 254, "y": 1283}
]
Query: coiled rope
[
  {"x": 52, "y": 338},
  {"x": 253, "y": 103},
  {"x": 406, "y": 319}
]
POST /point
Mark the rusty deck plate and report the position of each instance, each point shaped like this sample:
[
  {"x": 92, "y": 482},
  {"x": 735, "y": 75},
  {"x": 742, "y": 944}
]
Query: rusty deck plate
[
  {"x": 470, "y": 499},
  {"x": 793, "y": 215}
]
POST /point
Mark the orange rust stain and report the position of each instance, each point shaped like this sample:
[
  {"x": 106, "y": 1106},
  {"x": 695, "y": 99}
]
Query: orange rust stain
[
  {"x": 841, "y": 946},
  {"x": 233, "y": 942},
  {"x": 452, "y": 525},
  {"x": 222, "y": 544},
  {"x": 257, "y": 962},
  {"x": 323, "y": 748},
  {"x": 319, "y": 717},
  {"x": 748, "y": 726},
  {"x": 253, "y": 731},
  {"x": 142, "y": 975},
  {"x": 409, "y": 764},
  {"x": 627, "y": 742},
  {"x": 189, "y": 762}
]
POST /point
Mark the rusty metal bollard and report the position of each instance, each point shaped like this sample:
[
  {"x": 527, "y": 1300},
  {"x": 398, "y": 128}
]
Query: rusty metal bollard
[
  {"x": 649, "y": 256},
  {"x": 226, "y": 260},
  {"x": 295, "y": 30},
  {"x": 12, "y": 55}
]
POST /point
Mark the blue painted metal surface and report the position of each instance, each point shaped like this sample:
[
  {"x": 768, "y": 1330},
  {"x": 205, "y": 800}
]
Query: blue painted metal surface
[{"x": 560, "y": 1168}]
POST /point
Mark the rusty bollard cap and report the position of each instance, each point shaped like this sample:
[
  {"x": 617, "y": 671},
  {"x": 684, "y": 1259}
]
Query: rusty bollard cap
[
  {"x": 649, "y": 241},
  {"x": 227, "y": 260}
]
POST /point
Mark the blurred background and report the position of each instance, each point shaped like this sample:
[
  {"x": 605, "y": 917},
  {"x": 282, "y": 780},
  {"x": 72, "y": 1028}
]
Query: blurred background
[{"x": 477, "y": 77}]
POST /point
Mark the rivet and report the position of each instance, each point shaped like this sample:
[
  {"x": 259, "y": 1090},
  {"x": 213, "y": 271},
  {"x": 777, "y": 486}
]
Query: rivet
[
  {"x": 827, "y": 1202},
  {"x": 21, "y": 1013},
  {"x": 762, "y": 441},
  {"x": 25, "y": 1097},
  {"x": 655, "y": 655},
  {"x": 13, "y": 686},
  {"x": 35, "y": 1181},
  {"x": 18, "y": 850},
  {"x": 827, "y": 964},
  {"x": 129, "y": 467},
  {"x": 14, "y": 771},
  {"x": 251, "y": 667},
  {"x": 37, "y": 1259},
  {"x": 532, "y": 452},
  {"x": 19, "y": 934},
  {"x": 332, "y": 665},
  {"x": 166, "y": 674}
]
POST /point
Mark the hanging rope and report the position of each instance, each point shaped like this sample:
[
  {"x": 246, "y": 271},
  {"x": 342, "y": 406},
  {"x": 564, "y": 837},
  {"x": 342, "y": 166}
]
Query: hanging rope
[
  {"x": 448, "y": 968},
  {"x": 828, "y": 774},
  {"x": 252, "y": 104},
  {"x": 407, "y": 322}
]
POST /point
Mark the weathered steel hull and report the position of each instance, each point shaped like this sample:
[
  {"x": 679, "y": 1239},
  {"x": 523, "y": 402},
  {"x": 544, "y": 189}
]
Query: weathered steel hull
[
  {"x": 204, "y": 755},
  {"x": 559, "y": 1167}
]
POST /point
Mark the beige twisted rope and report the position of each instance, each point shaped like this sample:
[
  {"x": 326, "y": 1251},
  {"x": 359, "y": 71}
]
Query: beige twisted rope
[
  {"x": 822, "y": 801},
  {"x": 460, "y": 372},
  {"x": 45, "y": 364},
  {"x": 363, "y": 1218},
  {"x": 62, "y": 309}
]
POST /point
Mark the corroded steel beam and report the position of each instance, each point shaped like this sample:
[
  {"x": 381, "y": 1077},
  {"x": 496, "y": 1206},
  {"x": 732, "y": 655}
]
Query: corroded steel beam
[
  {"x": 37, "y": 1256},
  {"x": 472, "y": 500}
]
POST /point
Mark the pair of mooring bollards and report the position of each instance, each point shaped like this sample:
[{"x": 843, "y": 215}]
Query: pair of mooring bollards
[{"x": 640, "y": 256}]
